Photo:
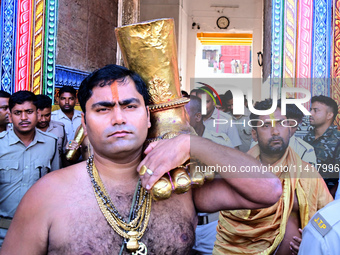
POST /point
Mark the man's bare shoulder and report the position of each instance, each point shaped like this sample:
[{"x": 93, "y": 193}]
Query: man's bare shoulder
[
  {"x": 63, "y": 177},
  {"x": 58, "y": 184}
]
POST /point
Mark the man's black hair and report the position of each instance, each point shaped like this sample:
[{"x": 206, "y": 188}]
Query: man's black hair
[
  {"x": 263, "y": 105},
  {"x": 223, "y": 100},
  {"x": 327, "y": 101},
  {"x": 68, "y": 89},
  {"x": 4, "y": 94},
  {"x": 292, "y": 111},
  {"x": 21, "y": 97},
  {"x": 203, "y": 90},
  {"x": 43, "y": 102},
  {"x": 106, "y": 76},
  {"x": 184, "y": 93},
  {"x": 193, "y": 91},
  {"x": 228, "y": 95}
]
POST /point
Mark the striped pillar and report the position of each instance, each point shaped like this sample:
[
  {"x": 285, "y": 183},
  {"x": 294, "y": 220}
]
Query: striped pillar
[
  {"x": 50, "y": 47},
  {"x": 304, "y": 46},
  {"x": 23, "y": 45},
  {"x": 37, "y": 47},
  {"x": 289, "y": 43},
  {"x": 277, "y": 44},
  {"x": 320, "y": 69}
]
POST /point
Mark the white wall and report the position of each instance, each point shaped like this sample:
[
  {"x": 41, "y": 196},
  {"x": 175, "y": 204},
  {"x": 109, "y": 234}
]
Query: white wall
[{"x": 245, "y": 19}]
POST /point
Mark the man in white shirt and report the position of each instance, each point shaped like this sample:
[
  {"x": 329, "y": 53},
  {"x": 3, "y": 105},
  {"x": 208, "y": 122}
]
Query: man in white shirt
[
  {"x": 218, "y": 121},
  {"x": 240, "y": 121},
  {"x": 67, "y": 114}
]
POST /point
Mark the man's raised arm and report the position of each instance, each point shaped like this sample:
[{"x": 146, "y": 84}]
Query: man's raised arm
[{"x": 238, "y": 188}]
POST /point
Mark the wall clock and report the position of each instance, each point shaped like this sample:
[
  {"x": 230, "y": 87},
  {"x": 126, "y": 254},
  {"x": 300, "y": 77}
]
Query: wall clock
[{"x": 222, "y": 22}]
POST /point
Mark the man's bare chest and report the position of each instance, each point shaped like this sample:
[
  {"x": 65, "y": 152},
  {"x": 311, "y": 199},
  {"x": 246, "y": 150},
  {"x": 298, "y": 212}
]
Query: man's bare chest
[{"x": 82, "y": 229}]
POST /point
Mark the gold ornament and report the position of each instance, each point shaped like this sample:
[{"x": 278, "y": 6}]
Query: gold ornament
[
  {"x": 181, "y": 180},
  {"x": 162, "y": 188},
  {"x": 133, "y": 230},
  {"x": 79, "y": 138},
  {"x": 159, "y": 90},
  {"x": 142, "y": 170}
]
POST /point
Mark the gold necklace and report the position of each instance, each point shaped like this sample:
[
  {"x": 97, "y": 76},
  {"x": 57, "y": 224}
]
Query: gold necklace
[{"x": 132, "y": 230}]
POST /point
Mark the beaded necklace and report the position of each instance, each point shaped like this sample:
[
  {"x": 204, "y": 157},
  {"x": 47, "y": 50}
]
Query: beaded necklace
[{"x": 133, "y": 230}]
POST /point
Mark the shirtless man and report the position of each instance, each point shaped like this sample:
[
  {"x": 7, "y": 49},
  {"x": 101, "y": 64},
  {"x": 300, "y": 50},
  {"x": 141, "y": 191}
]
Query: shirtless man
[
  {"x": 274, "y": 230},
  {"x": 60, "y": 214}
]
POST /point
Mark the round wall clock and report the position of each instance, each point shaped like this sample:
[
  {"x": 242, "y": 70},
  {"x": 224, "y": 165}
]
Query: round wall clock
[{"x": 222, "y": 22}]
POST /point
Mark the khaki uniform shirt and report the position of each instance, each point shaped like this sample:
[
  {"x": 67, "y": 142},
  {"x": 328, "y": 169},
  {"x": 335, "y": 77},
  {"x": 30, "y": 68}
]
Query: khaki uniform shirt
[
  {"x": 303, "y": 149},
  {"x": 70, "y": 125},
  {"x": 244, "y": 130},
  {"x": 220, "y": 138},
  {"x": 220, "y": 122},
  {"x": 21, "y": 166},
  {"x": 57, "y": 128}
]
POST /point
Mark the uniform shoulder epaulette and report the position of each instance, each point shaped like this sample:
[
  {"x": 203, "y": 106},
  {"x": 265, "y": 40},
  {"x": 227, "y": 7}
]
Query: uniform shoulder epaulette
[
  {"x": 3, "y": 133},
  {"x": 48, "y": 134},
  {"x": 327, "y": 217}
]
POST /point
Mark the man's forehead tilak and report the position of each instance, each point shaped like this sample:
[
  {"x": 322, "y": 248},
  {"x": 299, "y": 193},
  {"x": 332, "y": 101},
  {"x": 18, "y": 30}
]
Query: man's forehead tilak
[{"x": 114, "y": 91}]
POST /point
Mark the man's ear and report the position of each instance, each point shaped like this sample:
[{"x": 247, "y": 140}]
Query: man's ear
[
  {"x": 329, "y": 115},
  {"x": 198, "y": 117},
  {"x": 148, "y": 113},
  {"x": 83, "y": 122},
  {"x": 254, "y": 135},
  {"x": 10, "y": 117}
]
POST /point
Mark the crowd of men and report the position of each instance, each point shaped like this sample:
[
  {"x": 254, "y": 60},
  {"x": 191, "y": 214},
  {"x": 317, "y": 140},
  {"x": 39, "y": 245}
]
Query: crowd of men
[{"x": 237, "y": 213}]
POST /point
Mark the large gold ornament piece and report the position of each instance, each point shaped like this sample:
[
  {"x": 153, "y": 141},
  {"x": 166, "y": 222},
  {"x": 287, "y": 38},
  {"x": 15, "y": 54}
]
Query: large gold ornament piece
[
  {"x": 79, "y": 138},
  {"x": 181, "y": 179},
  {"x": 149, "y": 49},
  {"x": 162, "y": 189},
  {"x": 159, "y": 90}
]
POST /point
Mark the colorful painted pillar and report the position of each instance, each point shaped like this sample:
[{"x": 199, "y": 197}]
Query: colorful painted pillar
[
  {"x": 28, "y": 45},
  {"x": 306, "y": 46},
  {"x": 335, "y": 86}
]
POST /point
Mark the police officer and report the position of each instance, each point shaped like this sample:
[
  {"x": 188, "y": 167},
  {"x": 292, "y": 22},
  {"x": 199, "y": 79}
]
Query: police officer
[
  {"x": 67, "y": 114},
  {"x": 26, "y": 154},
  {"x": 325, "y": 138},
  {"x": 322, "y": 234},
  {"x": 44, "y": 107}
]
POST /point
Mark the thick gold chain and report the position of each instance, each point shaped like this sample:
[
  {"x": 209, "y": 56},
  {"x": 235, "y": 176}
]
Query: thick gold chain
[{"x": 117, "y": 224}]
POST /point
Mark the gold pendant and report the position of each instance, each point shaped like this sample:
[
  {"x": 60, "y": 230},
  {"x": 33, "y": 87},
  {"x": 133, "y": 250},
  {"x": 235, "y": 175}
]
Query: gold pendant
[
  {"x": 132, "y": 244},
  {"x": 142, "y": 250}
]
